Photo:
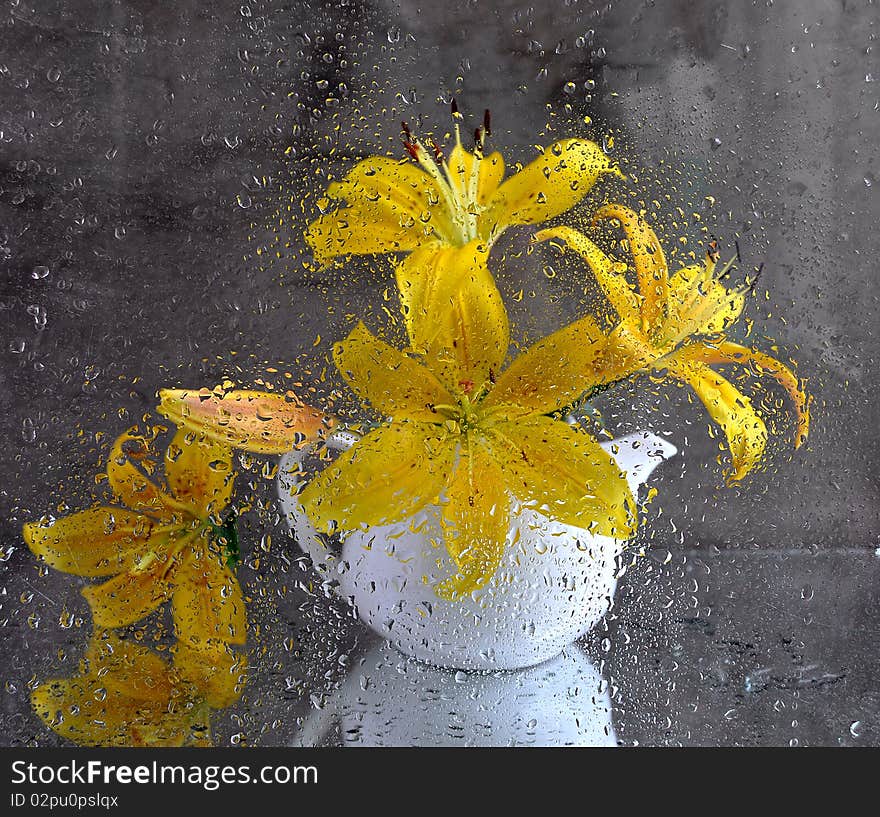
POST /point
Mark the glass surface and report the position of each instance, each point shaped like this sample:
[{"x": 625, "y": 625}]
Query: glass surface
[{"x": 160, "y": 166}]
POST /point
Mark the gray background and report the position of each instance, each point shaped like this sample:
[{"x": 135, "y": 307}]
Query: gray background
[{"x": 148, "y": 152}]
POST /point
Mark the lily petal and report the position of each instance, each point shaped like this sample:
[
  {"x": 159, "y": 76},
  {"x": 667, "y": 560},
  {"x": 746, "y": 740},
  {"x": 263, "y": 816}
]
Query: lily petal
[
  {"x": 130, "y": 484},
  {"x": 260, "y": 422},
  {"x": 554, "y": 372},
  {"x": 217, "y": 673},
  {"x": 729, "y": 408},
  {"x": 455, "y": 315},
  {"x": 389, "y": 380},
  {"x": 700, "y": 304},
  {"x": 726, "y": 352},
  {"x": 565, "y": 474},
  {"x": 477, "y": 517},
  {"x": 83, "y": 711},
  {"x": 491, "y": 172},
  {"x": 392, "y": 208},
  {"x": 387, "y": 476},
  {"x": 97, "y": 542},
  {"x": 130, "y": 596},
  {"x": 208, "y": 602},
  {"x": 199, "y": 472},
  {"x": 548, "y": 186},
  {"x": 610, "y": 274},
  {"x": 130, "y": 669},
  {"x": 650, "y": 262}
]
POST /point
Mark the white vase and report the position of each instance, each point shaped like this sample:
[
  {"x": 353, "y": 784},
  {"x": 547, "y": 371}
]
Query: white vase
[{"x": 554, "y": 583}]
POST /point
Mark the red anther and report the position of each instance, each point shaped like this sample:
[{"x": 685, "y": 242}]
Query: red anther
[
  {"x": 438, "y": 154},
  {"x": 405, "y": 128},
  {"x": 487, "y": 122},
  {"x": 454, "y": 106},
  {"x": 712, "y": 252},
  {"x": 478, "y": 137},
  {"x": 412, "y": 149},
  {"x": 467, "y": 386}
]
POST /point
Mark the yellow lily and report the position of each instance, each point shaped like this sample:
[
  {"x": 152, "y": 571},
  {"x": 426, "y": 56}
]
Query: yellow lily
[
  {"x": 263, "y": 422},
  {"x": 435, "y": 207},
  {"x": 461, "y": 436},
  {"x": 675, "y": 326},
  {"x": 165, "y": 543},
  {"x": 128, "y": 695}
]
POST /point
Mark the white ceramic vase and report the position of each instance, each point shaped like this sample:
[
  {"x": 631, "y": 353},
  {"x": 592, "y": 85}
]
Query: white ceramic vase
[{"x": 555, "y": 581}]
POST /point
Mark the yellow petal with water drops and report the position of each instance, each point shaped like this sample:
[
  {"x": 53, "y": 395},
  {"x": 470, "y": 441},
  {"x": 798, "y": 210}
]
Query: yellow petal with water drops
[
  {"x": 490, "y": 172},
  {"x": 208, "y": 602},
  {"x": 129, "y": 668},
  {"x": 393, "y": 383},
  {"x": 260, "y": 422},
  {"x": 199, "y": 472},
  {"x": 98, "y": 542},
  {"x": 700, "y": 304},
  {"x": 564, "y": 473},
  {"x": 652, "y": 270},
  {"x": 393, "y": 206},
  {"x": 745, "y": 431},
  {"x": 548, "y": 186},
  {"x": 215, "y": 672},
  {"x": 554, "y": 372},
  {"x": 727, "y": 352},
  {"x": 129, "y": 483},
  {"x": 132, "y": 595},
  {"x": 476, "y": 518},
  {"x": 610, "y": 274},
  {"x": 83, "y": 711},
  {"x": 387, "y": 476},
  {"x": 455, "y": 315}
]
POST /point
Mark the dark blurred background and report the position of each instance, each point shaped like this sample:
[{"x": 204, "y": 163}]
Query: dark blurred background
[{"x": 158, "y": 163}]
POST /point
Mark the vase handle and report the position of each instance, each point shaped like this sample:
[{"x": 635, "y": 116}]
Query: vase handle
[{"x": 310, "y": 540}]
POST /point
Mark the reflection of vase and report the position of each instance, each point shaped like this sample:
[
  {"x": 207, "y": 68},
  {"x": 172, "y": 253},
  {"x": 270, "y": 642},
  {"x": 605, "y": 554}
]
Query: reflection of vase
[
  {"x": 555, "y": 581},
  {"x": 390, "y": 699}
]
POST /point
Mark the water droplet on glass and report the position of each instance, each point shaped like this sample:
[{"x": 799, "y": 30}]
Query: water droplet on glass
[
  {"x": 40, "y": 272},
  {"x": 394, "y": 34},
  {"x": 53, "y": 74}
]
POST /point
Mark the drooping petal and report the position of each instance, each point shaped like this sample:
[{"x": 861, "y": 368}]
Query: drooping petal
[
  {"x": 610, "y": 274},
  {"x": 130, "y": 596},
  {"x": 565, "y": 474},
  {"x": 199, "y": 472},
  {"x": 261, "y": 422},
  {"x": 490, "y": 173},
  {"x": 208, "y": 602},
  {"x": 554, "y": 372},
  {"x": 547, "y": 187},
  {"x": 387, "y": 476},
  {"x": 128, "y": 668},
  {"x": 476, "y": 522},
  {"x": 392, "y": 382},
  {"x": 726, "y": 352},
  {"x": 216, "y": 673},
  {"x": 454, "y": 314},
  {"x": 729, "y": 408},
  {"x": 393, "y": 206},
  {"x": 130, "y": 484},
  {"x": 700, "y": 304},
  {"x": 652, "y": 270},
  {"x": 83, "y": 711},
  {"x": 97, "y": 542}
]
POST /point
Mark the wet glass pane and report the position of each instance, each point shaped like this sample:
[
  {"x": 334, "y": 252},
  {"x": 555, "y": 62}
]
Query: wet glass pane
[{"x": 479, "y": 373}]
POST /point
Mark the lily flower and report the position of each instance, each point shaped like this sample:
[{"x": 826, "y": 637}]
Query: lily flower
[
  {"x": 128, "y": 695},
  {"x": 459, "y": 433},
  {"x": 160, "y": 543},
  {"x": 437, "y": 206},
  {"x": 675, "y": 325},
  {"x": 473, "y": 441}
]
